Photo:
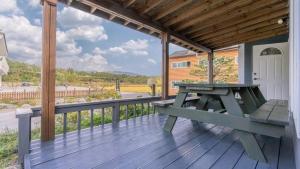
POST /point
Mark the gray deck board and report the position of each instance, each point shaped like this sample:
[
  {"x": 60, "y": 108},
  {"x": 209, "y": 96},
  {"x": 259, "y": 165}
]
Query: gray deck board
[{"x": 142, "y": 143}]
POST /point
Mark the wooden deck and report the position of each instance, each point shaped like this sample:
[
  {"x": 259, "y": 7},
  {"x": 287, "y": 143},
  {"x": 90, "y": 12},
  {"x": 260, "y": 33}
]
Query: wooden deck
[{"x": 142, "y": 143}]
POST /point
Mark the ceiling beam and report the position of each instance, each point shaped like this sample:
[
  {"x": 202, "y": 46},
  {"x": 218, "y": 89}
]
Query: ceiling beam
[
  {"x": 237, "y": 35},
  {"x": 260, "y": 15},
  {"x": 129, "y": 3},
  {"x": 93, "y": 9},
  {"x": 197, "y": 8},
  {"x": 212, "y": 13},
  {"x": 250, "y": 35},
  {"x": 236, "y": 14},
  {"x": 236, "y": 29},
  {"x": 113, "y": 8},
  {"x": 69, "y": 2},
  {"x": 252, "y": 39},
  {"x": 111, "y": 17},
  {"x": 150, "y": 4},
  {"x": 172, "y": 8}
]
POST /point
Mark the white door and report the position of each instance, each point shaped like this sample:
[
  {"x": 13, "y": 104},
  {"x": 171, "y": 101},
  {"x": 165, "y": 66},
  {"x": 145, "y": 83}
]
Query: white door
[{"x": 271, "y": 71}]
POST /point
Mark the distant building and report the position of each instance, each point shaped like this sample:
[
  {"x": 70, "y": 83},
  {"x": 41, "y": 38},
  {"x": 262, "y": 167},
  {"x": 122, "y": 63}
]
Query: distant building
[
  {"x": 182, "y": 64},
  {"x": 3, "y": 54}
]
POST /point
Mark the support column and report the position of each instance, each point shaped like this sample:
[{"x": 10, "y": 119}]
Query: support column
[
  {"x": 165, "y": 65},
  {"x": 210, "y": 67},
  {"x": 48, "y": 70}
]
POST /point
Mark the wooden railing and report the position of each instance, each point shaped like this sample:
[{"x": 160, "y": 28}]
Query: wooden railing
[{"x": 24, "y": 116}]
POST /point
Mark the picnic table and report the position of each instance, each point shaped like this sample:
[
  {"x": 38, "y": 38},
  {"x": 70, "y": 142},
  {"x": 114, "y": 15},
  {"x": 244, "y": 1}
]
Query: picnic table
[{"x": 238, "y": 106}]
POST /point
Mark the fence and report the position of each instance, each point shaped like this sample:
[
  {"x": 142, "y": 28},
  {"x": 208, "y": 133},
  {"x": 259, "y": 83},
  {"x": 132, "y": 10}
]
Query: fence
[{"x": 22, "y": 95}]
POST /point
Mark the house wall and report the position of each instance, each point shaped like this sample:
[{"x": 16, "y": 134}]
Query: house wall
[
  {"x": 294, "y": 96},
  {"x": 246, "y": 52},
  {"x": 180, "y": 74}
]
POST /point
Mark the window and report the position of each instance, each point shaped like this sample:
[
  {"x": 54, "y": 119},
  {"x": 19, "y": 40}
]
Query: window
[
  {"x": 181, "y": 64},
  {"x": 270, "y": 51},
  {"x": 173, "y": 84}
]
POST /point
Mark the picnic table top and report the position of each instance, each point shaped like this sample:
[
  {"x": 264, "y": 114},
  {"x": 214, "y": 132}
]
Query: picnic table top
[{"x": 214, "y": 85}]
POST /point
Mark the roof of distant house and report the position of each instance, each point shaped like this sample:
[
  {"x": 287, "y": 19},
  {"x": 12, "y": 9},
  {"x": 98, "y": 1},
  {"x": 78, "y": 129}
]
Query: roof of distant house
[{"x": 182, "y": 53}]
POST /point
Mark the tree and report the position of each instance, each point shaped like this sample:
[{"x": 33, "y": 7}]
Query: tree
[{"x": 223, "y": 69}]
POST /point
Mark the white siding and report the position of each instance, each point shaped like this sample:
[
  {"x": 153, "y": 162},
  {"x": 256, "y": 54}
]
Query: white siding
[{"x": 294, "y": 40}]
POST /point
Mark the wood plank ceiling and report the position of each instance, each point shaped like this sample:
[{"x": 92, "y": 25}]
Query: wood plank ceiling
[{"x": 199, "y": 25}]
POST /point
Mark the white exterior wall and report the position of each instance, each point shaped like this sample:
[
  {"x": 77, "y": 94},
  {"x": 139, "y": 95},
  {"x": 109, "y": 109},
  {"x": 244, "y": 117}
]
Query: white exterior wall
[
  {"x": 294, "y": 40},
  {"x": 294, "y": 74}
]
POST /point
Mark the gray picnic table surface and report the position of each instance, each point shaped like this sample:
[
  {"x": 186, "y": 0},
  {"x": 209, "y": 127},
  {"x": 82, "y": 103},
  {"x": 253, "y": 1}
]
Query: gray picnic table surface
[{"x": 236, "y": 114}]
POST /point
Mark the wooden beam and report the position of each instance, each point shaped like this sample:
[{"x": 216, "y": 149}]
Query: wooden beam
[
  {"x": 114, "y": 8},
  {"x": 48, "y": 70},
  {"x": 173, "y": 7},
  {"x": 129, "y": 3},
  {"x": 126, "y": 23},
  {"x": 210, "y": 67},
  {"x": 165, "y": 65},
  {"x": 237, "y": 29},
  {"x": 139, "y": 27},
  {"x": 111, "y": 17},
  {"x": 197, "y": 8},
  {"x": 93, "y": 9},
  {"x": 234, "y": 15},
  {"x": 250, "y": 37},
  {"x": 214, "y": 12},
  {"x": 241, "y": 33},
  {"x": 150, "y": 4},
  {"x": 260, "y": 15},
  {"x": 69, "y": 2}
]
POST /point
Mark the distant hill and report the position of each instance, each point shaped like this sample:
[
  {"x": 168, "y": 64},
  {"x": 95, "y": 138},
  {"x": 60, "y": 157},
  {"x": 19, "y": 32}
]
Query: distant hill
[
  {"x": 124, "y": 73},
  {"x": 22, "y": 72}
]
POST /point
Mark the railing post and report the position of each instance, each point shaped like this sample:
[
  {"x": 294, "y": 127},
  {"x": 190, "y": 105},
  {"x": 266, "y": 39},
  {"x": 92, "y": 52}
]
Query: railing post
[
  {"x": 116, "y": 113},
  {"x": 24, "y": 132}
]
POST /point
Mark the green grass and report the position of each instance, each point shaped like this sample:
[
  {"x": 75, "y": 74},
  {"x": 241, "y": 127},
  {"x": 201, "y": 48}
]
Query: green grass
[{"x": 8, "y": 139}]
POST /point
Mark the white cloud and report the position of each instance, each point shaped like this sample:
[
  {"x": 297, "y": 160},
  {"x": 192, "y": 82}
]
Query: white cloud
[
  {"x": 34, "y": 3},
  {"x": 119, "y": 50},
  {"x": 99, "y": 51},
  {"x": 9, "y": 6},
  {"x": 140, "y": 52},
  {"x": 27, "y": 46},
  {"x": 86, "y": 62},
  {"x": 136, "y": 47},
  {"x": 140, "y": 44},
  {"x": 37, "y": 22},
  {"x": 66, "y": 45},
  {"x": 88, "y": 33},
  {"x": 151, "y": 61},
  {"x": 71, "y": 17}
]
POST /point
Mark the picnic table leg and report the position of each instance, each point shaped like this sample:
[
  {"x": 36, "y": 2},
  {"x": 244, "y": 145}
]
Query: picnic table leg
[
  {"x": 179, "y": 101},
  {"x": 251, "y": 145},
  {"x": 247, "y": 139},
  {"x": 259, "y": 95},
  {"x": 248, "y": 99}
]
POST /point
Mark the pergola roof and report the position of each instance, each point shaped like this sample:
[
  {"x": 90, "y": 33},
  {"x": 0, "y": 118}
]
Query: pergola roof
[{"x": 198, "y": 25}]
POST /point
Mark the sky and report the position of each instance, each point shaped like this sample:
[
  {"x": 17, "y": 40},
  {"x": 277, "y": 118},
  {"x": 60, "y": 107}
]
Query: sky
[{"x": 84, "y": 42}]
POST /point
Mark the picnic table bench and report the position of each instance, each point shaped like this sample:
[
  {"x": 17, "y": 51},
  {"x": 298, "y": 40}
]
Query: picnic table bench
[{"x": 248, "y": 115}]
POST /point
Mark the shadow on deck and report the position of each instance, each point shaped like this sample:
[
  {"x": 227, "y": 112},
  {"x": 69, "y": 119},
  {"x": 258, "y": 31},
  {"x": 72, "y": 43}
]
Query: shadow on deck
[{"x": 142, "y": 143}]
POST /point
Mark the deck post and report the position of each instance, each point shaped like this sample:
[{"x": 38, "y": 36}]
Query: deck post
[
  {"x": 165, "y": 65},
  {"x": 116, "y": 113},
  {"x": 48, "y": 70},
  {"x": 210, "y": 67},
  {"x": 24, "y": 132}
]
